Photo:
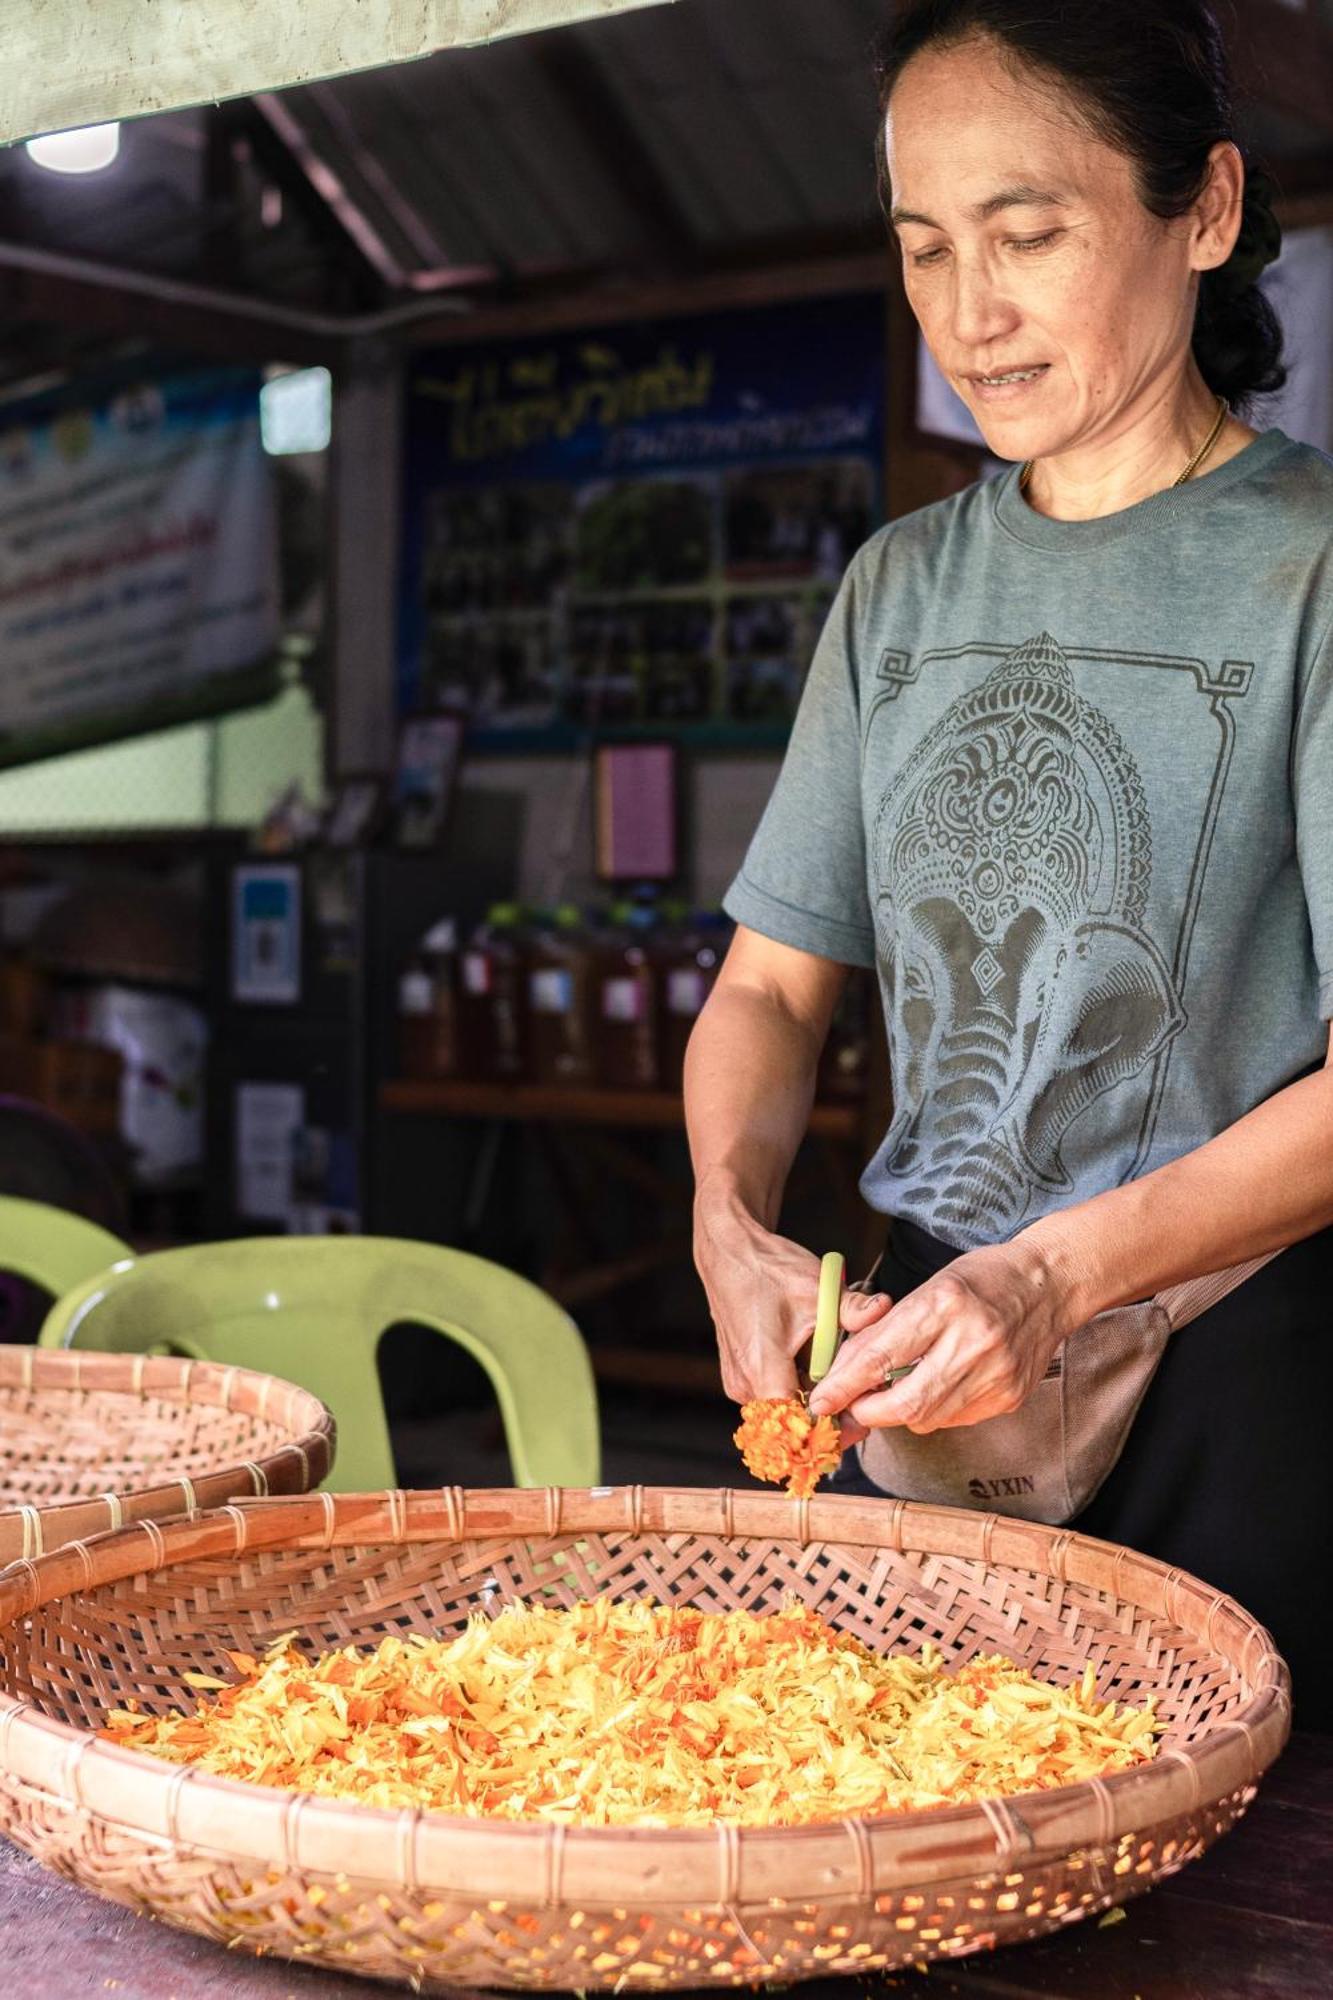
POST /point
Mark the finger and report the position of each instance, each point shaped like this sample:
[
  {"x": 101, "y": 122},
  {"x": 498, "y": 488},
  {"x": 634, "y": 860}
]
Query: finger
[
  {"x": 850, "y": 1432},
  {"x": 954, "y": 1387},
  {"x": 754, "y": 1371},
  {"x": 911, "y": 1404},
  {"x": 801, "y": 1335},
  {"x": 735, "y": 1380},
  {"x": 860, "y": 1365},
  {"x": 767, "y": 1376},
  {"x": 964, "y": 1404},
  {"x": 854, "y": 1312},
  {"x": 859, "y": 1311}
]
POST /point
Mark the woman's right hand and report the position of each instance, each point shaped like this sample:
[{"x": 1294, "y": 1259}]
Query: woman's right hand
[
  {"x": 749, "y": 1084},
  {"x": 762, "y": 1291}
]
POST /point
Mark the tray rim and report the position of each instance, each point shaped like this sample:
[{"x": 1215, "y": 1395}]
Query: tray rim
[{"x": 547, "y": 1863}]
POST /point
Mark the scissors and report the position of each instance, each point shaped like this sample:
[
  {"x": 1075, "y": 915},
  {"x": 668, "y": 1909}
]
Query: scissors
[{"x": 828, "y": 1323}]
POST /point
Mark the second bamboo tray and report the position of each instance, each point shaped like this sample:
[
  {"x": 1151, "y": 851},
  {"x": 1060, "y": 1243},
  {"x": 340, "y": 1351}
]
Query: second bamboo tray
[
  {"x": 439, "y": 1901},
  {"x": 90, "y": 1441}
]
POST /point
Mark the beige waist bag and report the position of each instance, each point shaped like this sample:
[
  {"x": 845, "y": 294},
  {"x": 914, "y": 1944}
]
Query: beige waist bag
[{"x": 1046, "y": 1460}]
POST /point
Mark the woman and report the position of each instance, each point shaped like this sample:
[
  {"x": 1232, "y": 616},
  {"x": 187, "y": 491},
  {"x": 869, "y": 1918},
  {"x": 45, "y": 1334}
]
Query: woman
[{"x": 1063, "y": 773}]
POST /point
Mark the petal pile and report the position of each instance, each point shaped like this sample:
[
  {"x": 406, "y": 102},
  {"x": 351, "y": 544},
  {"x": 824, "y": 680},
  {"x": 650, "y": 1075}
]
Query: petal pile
[
  {"x": 639, "y": 1714},
  {"x": 779, "y": 1440}
]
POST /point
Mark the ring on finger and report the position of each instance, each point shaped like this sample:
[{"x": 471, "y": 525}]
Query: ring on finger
[{"x": 894, "y": 1374}]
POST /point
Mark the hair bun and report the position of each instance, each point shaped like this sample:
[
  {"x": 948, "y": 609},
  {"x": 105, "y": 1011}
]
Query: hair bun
[{"x": 1259, "y": 243}]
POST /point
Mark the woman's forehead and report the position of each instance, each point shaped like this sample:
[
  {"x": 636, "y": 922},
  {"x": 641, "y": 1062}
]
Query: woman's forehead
[
  {"x": 969, "y": 110},
  {"x": 979, "y": 161}
]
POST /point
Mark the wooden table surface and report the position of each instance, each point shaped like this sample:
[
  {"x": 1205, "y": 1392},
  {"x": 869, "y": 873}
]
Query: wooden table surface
[
  {"x": 566, "y": 1104},
  {"x": 1253, "y": 1920}
]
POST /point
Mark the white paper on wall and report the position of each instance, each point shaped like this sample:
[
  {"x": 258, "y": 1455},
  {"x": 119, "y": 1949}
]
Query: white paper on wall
[{"x": 268, "y": 1115}]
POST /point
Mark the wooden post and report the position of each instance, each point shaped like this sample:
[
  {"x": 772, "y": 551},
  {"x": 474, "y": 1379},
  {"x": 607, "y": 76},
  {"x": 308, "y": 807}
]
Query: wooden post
[{"x": 364, "y": 506}]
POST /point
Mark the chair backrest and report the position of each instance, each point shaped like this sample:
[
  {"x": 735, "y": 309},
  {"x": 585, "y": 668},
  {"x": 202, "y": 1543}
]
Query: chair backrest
[
  {"x": 43, "y": 1157},
  {"x": 313, "y": 1309},
  {"x": 52, "y": 1248}
]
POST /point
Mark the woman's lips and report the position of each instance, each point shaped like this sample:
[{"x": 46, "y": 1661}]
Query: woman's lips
[{"x": 1007, "y": 392}]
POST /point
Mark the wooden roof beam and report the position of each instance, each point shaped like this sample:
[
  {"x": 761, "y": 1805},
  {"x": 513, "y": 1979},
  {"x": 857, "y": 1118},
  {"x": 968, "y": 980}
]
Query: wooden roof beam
[
  {"x": 71, "y": 63},
  {"x": 35, "y": 285}
]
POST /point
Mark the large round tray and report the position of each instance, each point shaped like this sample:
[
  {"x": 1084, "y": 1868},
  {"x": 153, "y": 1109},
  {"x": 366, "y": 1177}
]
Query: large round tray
[
  {"x": 90, "y": 1441},
  {"x": 443, "y": 1901}
]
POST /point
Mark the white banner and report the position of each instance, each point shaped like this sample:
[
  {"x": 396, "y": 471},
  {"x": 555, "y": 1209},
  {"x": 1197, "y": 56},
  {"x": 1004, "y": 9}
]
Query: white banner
[{"x": 138, "y": 555}]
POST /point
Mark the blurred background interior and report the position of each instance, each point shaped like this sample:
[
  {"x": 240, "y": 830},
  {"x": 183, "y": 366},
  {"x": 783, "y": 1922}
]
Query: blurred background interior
[{"x": 420, "y": 493}]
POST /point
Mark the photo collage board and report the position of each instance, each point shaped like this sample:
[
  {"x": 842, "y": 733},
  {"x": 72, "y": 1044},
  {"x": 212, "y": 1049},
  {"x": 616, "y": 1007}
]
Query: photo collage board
[{"x": 639, "y": 529}]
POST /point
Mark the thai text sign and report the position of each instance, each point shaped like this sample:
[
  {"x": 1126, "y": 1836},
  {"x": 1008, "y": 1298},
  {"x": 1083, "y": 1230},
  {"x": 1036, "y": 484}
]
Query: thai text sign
[
  {"x": 640, "y": 525},
  {"x": 138, "y": 561}
]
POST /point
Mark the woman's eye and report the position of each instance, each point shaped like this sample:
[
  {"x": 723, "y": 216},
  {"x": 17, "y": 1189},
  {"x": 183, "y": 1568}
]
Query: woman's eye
[{"x": 925, "y": 257}]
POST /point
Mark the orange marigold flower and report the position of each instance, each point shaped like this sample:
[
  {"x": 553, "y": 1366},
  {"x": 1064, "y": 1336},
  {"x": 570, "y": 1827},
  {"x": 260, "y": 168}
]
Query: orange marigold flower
[
  {"x": 633, "y": 1713},
  {"x": 779, "y": 1440}
]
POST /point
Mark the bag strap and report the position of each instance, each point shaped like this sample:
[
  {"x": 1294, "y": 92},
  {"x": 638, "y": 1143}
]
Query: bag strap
[
  {"x": 1184, "y": 1302},
  {"x": 1181, "y": 1303}
]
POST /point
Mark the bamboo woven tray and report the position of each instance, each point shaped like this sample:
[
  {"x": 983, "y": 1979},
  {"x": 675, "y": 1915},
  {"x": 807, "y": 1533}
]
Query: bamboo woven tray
[
  {"x": 90, "y": 1441},
  {"x": 442, "y": 1901}
]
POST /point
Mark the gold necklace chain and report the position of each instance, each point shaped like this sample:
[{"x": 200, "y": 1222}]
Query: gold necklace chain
[{"x": 1223, "y": 409}]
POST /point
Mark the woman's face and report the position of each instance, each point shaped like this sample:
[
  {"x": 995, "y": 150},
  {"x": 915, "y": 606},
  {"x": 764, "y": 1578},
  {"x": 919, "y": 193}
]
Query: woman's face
[{"x": 1025, "y": 246}]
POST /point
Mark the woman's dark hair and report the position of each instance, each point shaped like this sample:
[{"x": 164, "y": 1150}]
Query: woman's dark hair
[{"x": 1152, "y": 79}]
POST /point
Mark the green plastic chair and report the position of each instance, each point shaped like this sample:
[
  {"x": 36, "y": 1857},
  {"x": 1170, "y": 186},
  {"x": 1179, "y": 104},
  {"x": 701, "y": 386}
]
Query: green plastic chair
[
  {"x": 313, "y": 1309},
  {"x": 52, "y": 1248}
]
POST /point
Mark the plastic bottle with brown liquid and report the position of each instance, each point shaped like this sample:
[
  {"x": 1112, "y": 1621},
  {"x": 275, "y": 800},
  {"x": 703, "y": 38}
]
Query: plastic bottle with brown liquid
[
  {"x": 428, "y": 1006},
  {"x": 560, "y": 982},
  {"x": 625, "y": 978},
  {"x": 492, "y": 998}
]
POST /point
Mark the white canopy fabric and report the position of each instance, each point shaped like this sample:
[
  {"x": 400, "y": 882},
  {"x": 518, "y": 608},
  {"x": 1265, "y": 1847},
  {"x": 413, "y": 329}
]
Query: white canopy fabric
[{"x": 84, "y": 62}]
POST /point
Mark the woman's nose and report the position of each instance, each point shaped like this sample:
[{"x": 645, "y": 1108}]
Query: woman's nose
[{"x": 981, "y": 312}]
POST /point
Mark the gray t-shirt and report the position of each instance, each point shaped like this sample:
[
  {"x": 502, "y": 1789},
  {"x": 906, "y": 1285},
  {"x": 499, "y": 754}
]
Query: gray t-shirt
[{"x": 1068, "y": 786}]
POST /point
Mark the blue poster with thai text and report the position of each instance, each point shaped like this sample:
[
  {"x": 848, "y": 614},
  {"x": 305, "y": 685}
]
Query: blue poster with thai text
[{"x": 637, "y": 528}]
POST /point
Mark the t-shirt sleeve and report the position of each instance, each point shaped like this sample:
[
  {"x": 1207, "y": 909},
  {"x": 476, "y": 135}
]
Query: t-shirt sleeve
[
  {"x": 803, "y": 881},
  {"x": 1312, "y": 790}
]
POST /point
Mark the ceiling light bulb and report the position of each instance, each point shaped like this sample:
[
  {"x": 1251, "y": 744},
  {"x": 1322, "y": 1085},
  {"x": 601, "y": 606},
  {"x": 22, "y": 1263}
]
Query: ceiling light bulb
[{"x": 80, "y": 152}]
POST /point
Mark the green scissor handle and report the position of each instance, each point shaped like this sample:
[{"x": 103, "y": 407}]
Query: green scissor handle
[{"x": 824, "y": 1346}]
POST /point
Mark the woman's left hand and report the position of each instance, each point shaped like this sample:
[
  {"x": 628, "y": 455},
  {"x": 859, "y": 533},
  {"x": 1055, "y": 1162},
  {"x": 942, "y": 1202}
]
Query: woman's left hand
[{"x": 982, "y": 1332}]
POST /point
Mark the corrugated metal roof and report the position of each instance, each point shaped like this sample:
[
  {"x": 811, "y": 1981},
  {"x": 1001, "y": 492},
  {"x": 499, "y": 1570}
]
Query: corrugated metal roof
[
  {"x": 762, "y": 117},
  {"x": 756, "y": 116},
  {"x": 757, "y": 120},
  {"x": 482, "y": 147},
  {"x": 668, "y": 139}
]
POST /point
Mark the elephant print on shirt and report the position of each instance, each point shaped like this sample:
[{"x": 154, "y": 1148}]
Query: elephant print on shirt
[{"x": 1011, "y": 861}]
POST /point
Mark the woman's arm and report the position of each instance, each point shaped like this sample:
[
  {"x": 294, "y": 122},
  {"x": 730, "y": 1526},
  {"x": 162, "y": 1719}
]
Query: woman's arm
[
  {"x": 1264, "y": 1182},
  {"x": 984, "y": 1329},
  {"x": 749, "y": 1083}
]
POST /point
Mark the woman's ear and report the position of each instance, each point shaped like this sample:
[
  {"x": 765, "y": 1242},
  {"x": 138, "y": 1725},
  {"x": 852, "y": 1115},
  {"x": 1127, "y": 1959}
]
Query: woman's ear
[{"x": 1217, "y": 212}]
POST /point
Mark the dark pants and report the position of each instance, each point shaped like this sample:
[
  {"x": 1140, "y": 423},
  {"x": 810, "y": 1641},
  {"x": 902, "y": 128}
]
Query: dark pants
[{"x": 1228, "y": 1470}]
